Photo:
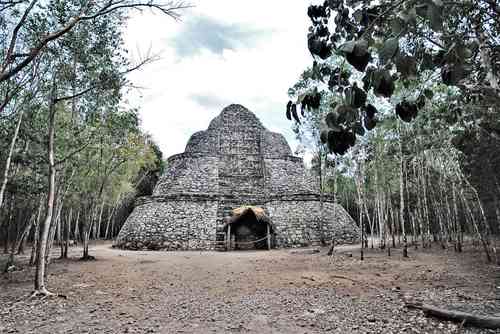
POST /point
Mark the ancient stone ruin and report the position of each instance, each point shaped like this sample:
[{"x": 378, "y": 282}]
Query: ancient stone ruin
[{"x": 236, "y": 186}]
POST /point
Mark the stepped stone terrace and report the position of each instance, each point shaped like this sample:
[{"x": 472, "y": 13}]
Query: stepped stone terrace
[{"x": 236, "y": 186}]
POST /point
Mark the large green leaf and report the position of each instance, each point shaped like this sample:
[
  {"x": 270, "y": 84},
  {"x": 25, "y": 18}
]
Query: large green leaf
[
  {"x": 361, "y": 48},
  {"x": 407, "y": 66},
  {"x": 348, "y": 47},
  {"x": 389, "y": 50},
  {"x": 427, "y": 62},
  {"x": 331, "y": 119},
  {"x": 398, "y": 25},
  {"x": 383, "y": 83},
  {"x": 346, "y": 114},
  {"x": 355, "y": 96},
  {"x": 356, "y": 53}
]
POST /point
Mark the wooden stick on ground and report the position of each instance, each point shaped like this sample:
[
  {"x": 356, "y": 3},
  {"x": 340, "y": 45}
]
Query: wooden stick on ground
[{"x": 467, "y": 319}]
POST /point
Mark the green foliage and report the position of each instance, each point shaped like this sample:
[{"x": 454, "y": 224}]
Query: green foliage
[
  {"x": 101, "y": 153},
  {"x": 408, "y": 43}
]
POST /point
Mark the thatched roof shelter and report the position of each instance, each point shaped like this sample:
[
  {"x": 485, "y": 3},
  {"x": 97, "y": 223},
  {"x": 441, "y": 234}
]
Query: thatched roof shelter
[{"x": 258, "y": 212}]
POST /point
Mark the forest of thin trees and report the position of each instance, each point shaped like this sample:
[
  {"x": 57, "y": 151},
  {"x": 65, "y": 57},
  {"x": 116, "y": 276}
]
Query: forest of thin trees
[
  {"x": 400, "y": 109},
  {"x": 407, "y": 186},
  {"x": 72, "y": 154}
]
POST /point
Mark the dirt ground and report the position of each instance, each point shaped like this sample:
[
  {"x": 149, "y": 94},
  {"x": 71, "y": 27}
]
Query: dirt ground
[{"x": 279, "y": 291}]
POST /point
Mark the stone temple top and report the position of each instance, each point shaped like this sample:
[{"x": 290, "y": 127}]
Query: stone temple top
[
  {"x": 236, "y": 155},
  {"x": 235, "y": 163},
  {"x": 238, "y": 125}
]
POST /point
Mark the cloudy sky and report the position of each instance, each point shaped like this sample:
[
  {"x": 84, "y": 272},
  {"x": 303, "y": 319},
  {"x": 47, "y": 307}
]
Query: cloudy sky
[{"x": 221, "y": 52}]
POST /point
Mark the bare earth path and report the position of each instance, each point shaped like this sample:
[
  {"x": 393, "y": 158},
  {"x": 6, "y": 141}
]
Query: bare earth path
[{"x": 281, "y": 291}]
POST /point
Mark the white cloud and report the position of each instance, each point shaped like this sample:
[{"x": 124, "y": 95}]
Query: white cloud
[
  {"x": 260, "y": 54},
  {"x": 201, "y": 32}
]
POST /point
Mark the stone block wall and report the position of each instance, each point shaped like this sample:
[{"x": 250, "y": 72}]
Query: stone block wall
[
  {"x": 288, "y": 176},
  {"x": 274, "y": 145},
  {"x": 189, "y": 173},
  {"x": 202, "y": 141},
  {"x": 191, "y": 223},
  {"x": 339, "y": 225},
  {"x": 171, "y": 225},
  {"x": 298, "y": 223},
  {"x": 295, "y": 222}
]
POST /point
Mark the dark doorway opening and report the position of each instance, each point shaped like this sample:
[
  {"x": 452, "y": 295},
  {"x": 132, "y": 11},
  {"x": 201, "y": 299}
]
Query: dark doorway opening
[{"x": 248, "y": 232}]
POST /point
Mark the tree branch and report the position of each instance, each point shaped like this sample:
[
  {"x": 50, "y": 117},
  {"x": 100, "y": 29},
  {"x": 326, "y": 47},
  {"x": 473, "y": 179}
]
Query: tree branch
[
  {"x": 13, "y": 40},
  {"x": 74, "y": 96},
  {"x": 70, "y": 155},
  {"x": 391, "y": 8},
  {"x": 5, "y": 75},
  {"x": 9, "y": 4},
  {"x": 169, "y": 9}
]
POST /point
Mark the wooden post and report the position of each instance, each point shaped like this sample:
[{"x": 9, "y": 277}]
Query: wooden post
[
  {"x": 228, "y": 237},
  {"x": 268, "y": 237}
]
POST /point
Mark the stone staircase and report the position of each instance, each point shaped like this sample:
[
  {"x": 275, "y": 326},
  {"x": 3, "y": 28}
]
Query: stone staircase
[{"x": 222, "y": 211}]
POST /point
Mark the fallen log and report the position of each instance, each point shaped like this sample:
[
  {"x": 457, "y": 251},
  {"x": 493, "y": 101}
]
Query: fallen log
[
  {"x": 307, "y": 251},
  {"x": 464, "y": 318}
]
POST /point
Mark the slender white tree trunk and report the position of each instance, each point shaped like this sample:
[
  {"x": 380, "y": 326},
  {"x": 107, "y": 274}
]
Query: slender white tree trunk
[
  {"x": 5, "y": 178},
  {"x": 401, "y": 193},
  {"x": 36, "y": 236},
  {"x": 76, "y": 232},
  {"x": 42, "y": 245}
]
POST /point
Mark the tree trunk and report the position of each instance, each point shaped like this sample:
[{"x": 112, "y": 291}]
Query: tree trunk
[
  {"x": 76, "y": 233},
  {"x": 420, "y": 203},
  {"x": 36, "y": 235},
  {"x": 485, "y": 221},
  {"x": 87, "y": 230},
  {"x": 476, "y": 227},
  {"x": 60, "y": 232},
  {"x": 332, "y": 244},
  {"x": 17, "y": 242},
  {"x": 24, "y": 235},
  {"x": 5, "y": 178},
  {"x": 110, "y": 216},
  {"x": 321, "y": 197},
  {"x": 359, "y": 186},
  {"x": 42, "y": 245},
  {"x": 392, "y": 225},
  {"x": 426, "y": 206},
  {"x": 100, "y": 220},
  {"x": 491, "y": 74},
  {"x": 457, "y": 316},
  {"x": 7, "y": 224},
  {"x": 401, "y": 193},
  {"x": 67, "y": 227},
  {"x": 52, "y": 231},
  {"x": 110, "y": 220},
  {"x": 456, "y": 223}
]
